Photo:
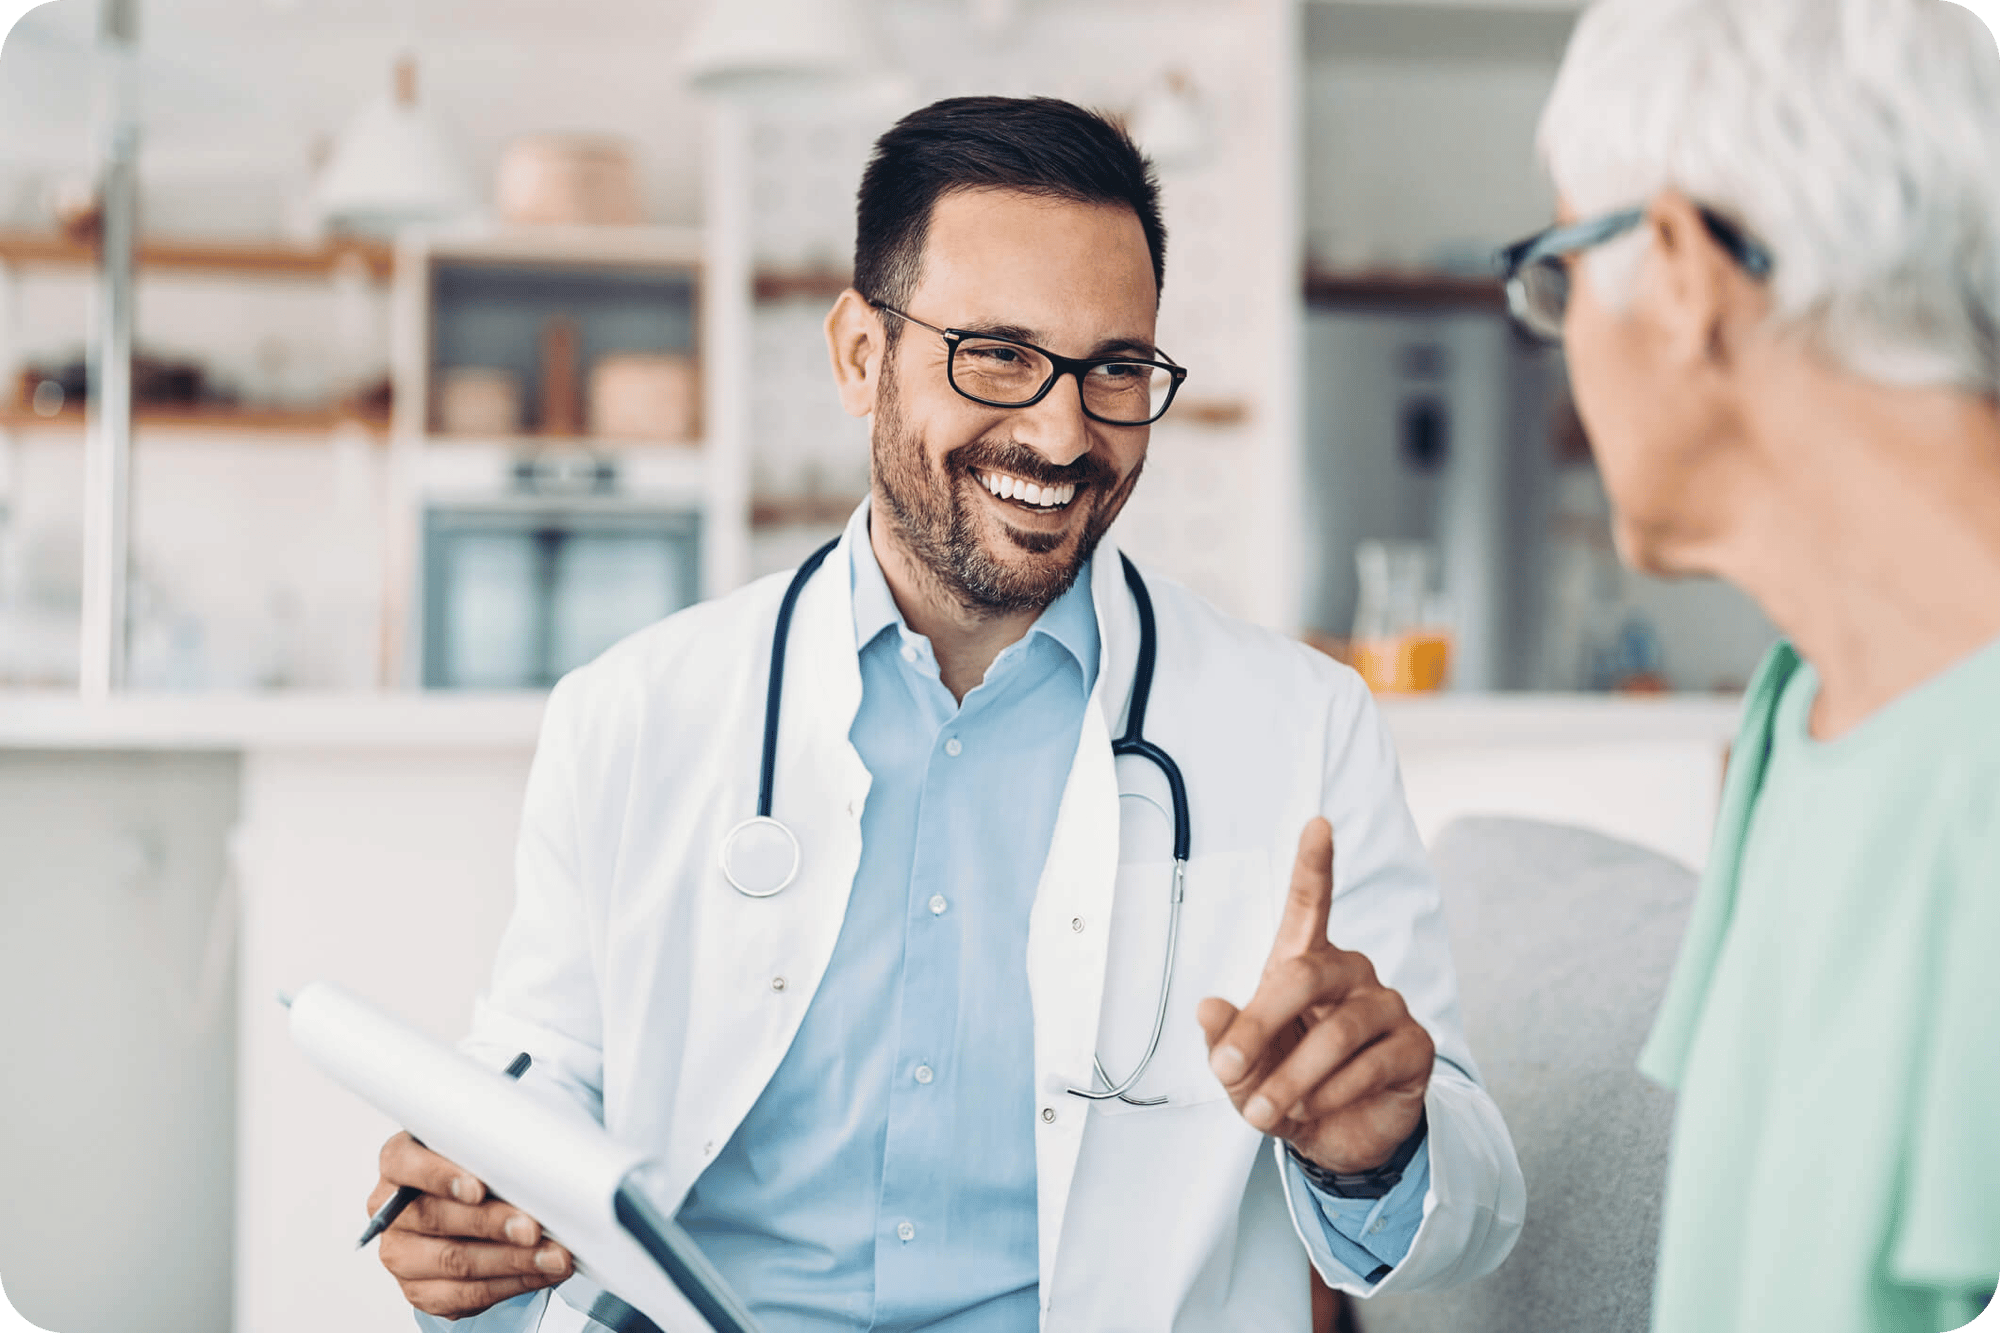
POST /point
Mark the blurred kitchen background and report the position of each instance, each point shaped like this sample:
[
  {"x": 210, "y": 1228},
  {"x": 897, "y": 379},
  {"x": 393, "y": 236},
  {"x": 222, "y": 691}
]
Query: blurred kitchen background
[{"x": 470, "y": 335}]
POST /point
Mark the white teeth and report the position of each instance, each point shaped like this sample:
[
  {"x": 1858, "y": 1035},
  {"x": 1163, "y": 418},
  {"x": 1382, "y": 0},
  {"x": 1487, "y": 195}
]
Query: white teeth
[{"x": 1028, "y": 492}]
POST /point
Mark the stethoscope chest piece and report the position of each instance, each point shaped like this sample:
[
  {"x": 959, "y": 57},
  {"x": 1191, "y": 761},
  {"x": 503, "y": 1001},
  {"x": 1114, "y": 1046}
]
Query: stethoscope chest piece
[{"x": 760, "y": 857}]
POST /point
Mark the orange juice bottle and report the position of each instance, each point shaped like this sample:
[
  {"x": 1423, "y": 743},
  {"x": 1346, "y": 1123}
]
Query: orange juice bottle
[
  {"x": 1414, "y": 662},
  {"x": 1399, "y": 644}
]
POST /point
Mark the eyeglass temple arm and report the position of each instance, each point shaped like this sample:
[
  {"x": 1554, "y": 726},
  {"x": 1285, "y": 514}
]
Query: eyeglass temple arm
[{"x": 1751, "y": 257}]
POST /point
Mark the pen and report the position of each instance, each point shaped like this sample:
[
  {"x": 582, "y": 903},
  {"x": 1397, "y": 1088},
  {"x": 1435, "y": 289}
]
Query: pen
[{"x": 405, "y": 1195}]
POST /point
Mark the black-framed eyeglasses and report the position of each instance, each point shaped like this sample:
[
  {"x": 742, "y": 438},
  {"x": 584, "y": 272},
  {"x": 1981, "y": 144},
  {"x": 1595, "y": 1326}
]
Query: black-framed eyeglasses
[
  {"x": 1538, "y": 279},
  {"x": 1006, "y": 372}
]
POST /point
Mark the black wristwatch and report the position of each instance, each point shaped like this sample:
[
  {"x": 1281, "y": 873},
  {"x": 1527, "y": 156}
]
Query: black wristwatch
[{"x": 1365, "y": 1184}]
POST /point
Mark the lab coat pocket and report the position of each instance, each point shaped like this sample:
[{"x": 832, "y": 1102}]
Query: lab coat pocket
[{"x": 1228, "y": 919}]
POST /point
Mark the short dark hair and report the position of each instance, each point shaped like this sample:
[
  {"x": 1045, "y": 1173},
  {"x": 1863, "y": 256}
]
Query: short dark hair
[{"x": 1037, "y": 145}]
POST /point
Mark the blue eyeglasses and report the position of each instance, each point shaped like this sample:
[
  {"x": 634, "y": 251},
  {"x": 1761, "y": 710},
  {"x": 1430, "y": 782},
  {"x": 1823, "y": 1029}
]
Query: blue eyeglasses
[{"x": 1538, "y": 280}]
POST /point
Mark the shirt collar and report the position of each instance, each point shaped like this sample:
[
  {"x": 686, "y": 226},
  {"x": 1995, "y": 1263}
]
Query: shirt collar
[{"x": 1070, "y": 620}]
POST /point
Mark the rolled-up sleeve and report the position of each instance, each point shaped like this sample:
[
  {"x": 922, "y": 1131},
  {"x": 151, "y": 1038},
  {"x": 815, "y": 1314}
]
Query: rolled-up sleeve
[
  {"x": 1366, "y": 1236},
  {"x": 1387, "y": 906}
]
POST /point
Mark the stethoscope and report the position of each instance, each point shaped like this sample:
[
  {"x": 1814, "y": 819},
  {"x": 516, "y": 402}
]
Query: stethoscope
[{"x": 760, "y": 856}]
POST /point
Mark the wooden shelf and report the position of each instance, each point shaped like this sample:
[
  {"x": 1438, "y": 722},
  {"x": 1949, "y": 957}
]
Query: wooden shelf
[
  {"x": 567, "y": 246},
  {"x": 50, "y": 250},
  {"x": 1395, "y": 290},
  {"x": 267, "y": 421},
  {"x": 1208, "y": 412},
  {"x": 801, "y": 284},
  {"x": 779, "y": 511},
  {"x": 532, "y": 442}
]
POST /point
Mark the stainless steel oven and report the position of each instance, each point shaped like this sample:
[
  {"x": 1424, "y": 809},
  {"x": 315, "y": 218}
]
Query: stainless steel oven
[{"x": 519, "y": 590}]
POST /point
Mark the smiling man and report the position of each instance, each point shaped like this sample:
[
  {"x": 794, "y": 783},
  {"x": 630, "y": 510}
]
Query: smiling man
[{"x": 1015, "y": 1024}]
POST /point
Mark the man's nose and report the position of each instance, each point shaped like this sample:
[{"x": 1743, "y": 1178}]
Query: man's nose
[{"x": 1056, "y": 427}]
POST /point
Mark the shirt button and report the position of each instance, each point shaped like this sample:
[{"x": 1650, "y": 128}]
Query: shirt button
[
  {"x": 1076, "y": 924},
  {"x": 905, "y": 1232},
  {"x": 1379, "y": 1224},
  {"x": 1048, "y": 1115},
  {"x": 938, "y": 904},
  {"x": 953, "y": 748},
  {"x": 924, "y": 1074},
  {"x": 777, "y": 983},
  {"x": 909, "y": 653}
]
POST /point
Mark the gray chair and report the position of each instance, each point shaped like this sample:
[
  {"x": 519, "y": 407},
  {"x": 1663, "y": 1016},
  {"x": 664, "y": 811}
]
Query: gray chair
[{"x": 1564, "y": 940}]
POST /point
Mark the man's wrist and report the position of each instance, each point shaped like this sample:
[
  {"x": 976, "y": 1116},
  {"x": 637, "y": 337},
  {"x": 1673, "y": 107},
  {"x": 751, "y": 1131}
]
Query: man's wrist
[{"x": 1365, "y": 1184}]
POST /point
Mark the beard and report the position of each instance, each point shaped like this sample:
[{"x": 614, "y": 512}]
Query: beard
[{"x": 936, "y": 511}]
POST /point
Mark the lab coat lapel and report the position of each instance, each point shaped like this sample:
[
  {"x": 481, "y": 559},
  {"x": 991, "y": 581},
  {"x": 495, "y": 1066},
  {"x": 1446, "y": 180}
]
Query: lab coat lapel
[
  {"x": 761, "y": 960},
  {"x": 1069, "y": 929}
]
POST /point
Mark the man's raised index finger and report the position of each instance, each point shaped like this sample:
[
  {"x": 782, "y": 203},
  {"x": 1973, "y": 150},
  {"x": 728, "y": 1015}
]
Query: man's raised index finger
[{"x": 1311, "y": 895}]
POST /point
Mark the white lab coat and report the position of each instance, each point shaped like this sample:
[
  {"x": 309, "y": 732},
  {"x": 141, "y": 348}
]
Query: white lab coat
[{"x": 660, "y": 1000}]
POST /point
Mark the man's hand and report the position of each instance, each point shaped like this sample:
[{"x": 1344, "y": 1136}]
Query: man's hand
[
  {"x": 1324, "y": 1056},
  {"x": 456, "y": 1251}
]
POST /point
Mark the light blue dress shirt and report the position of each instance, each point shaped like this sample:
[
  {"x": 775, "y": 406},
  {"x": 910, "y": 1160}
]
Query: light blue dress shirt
[{"x": 885, "y": 1178}]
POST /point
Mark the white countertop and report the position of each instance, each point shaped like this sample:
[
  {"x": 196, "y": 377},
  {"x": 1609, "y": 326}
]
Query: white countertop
[
  {"x": 277, "y": 721},
  {"x": 1556, "y": 721},
  {"x": 509, "y": 721}
]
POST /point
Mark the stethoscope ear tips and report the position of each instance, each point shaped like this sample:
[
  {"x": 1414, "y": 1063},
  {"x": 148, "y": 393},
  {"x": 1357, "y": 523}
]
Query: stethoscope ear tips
[{"x": 760, "y": 857}]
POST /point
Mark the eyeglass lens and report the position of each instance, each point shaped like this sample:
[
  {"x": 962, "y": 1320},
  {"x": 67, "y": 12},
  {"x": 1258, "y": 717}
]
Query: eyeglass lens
[
  {"x": 1009, "y": 375},
  {"x": 1539, "y": 296}
]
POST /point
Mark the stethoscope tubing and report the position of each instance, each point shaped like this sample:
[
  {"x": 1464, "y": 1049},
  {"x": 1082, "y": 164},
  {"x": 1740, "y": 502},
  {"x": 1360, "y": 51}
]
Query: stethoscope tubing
[
  {"x": 1135, "y": 744},
  {"x": 774, "y": 690},
  {"x": 1132, "y": 743}
]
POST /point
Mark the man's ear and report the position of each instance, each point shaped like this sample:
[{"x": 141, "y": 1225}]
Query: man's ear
[
  {"x": 1696, "y": 291},
  {"x": 855, "y": 342}
]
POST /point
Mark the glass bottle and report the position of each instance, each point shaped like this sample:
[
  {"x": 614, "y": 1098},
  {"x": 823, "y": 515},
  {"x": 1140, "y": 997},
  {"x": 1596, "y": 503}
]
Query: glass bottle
[{"x": 1402, "y": 640}]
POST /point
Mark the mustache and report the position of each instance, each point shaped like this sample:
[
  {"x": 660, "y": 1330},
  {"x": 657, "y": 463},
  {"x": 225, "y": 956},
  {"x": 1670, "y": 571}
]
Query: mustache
[{"x": 1018, "y": 460}]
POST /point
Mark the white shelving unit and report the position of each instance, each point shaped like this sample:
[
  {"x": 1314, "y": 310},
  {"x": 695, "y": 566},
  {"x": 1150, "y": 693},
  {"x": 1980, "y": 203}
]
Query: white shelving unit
[{"x": 707, "y": 476}]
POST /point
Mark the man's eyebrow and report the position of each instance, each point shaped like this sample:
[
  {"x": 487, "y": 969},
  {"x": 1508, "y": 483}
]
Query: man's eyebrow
[
  {"x": 1109, "y": 347},
  {"x": 1128, "y": 346}
]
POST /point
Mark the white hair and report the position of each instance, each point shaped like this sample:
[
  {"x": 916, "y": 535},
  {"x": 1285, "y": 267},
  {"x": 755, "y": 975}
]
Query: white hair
[{"x": 1858, "y": 140}]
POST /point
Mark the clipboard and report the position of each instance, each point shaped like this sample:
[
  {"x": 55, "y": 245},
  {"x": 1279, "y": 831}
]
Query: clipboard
[{"x": 587, "y": 1190}]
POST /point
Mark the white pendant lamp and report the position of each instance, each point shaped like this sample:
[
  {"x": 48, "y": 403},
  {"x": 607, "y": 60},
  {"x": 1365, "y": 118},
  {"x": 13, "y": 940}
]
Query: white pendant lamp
[
  {"x": 394, "y": 166},
  {"x": 760, "y": 49}
]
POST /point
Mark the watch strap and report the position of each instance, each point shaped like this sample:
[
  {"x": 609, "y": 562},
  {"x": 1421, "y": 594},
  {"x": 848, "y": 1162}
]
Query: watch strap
[{"x": 1365, "y": 1184}]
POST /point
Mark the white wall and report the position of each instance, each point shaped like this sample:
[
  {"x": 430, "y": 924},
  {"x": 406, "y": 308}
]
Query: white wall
[
  {"x": 392, "y": 874},
  {"x": 229, "y": 139},
  {"x": 1420, "y": 129},
  {"x": 117, "y": 1107},
  {"x": 256, "y": 560}
]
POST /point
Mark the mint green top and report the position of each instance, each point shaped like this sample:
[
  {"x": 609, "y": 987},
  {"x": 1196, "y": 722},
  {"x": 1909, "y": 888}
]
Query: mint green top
[{"x": 1833, "y": 1023}]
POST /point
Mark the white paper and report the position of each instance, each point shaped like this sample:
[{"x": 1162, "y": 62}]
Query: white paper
[{"x": 562, "y": 1171}]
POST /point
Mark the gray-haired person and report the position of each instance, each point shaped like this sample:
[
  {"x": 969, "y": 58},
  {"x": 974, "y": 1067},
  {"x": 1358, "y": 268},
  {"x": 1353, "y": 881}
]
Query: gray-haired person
[{"x": 1777, "y": 274}]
